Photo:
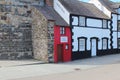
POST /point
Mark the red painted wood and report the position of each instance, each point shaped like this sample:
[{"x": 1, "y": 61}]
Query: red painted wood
[{"x": 66, "y": 52}]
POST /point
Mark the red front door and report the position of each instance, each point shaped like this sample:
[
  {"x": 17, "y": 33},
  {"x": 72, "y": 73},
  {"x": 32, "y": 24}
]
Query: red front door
[{"x": 60, "y": 53}]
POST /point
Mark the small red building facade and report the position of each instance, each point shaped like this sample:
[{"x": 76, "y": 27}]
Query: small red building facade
[{"x": 62, "y": 44}]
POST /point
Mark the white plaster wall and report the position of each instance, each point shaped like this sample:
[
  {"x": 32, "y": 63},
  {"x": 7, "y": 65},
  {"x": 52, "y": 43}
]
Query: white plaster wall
[
  {"x": 114, "y": 19},
  {"x": 94, "y": 22},
  {"x": 60, "y": 9},
  {"x": 101, "y": 7},
  {"x": 89, "y": 32},
  {"x": 114, "y": 39}
]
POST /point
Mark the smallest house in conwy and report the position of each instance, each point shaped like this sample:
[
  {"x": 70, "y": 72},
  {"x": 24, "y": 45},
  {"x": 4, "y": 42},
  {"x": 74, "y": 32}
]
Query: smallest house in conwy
[{"x": 51, "y": 34}]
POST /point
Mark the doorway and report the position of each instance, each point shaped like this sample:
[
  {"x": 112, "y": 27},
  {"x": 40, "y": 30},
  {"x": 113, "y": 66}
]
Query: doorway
[
  {"x": 93, "y": 47},
  {"x": 60, "y": 53}
]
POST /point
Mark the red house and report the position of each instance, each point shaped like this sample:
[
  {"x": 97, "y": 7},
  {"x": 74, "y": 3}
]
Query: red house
[
  {"x": 62, "y": 43},
  {"x": 57, "y": 44}
]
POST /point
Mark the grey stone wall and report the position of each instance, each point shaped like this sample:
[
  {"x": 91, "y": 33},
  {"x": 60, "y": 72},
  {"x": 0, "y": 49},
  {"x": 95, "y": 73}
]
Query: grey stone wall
[
  {"x": 50, "y": 41},
  {"x": 15, "y": 42},
  {"x": 39, "y": 36},
  {"x": 43, "y": 35}
]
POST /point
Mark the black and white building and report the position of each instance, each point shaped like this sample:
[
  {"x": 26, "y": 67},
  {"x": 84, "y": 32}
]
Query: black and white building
[
  {"x": 112, "y": 10},
  {"x": 95, "y": 30}
]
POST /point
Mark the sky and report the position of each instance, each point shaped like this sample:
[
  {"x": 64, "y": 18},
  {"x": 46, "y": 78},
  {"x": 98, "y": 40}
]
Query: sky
[{"x": 111, "y": 0}]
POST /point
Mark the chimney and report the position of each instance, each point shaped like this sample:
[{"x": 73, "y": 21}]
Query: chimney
[{"x": 49, "y": 2}]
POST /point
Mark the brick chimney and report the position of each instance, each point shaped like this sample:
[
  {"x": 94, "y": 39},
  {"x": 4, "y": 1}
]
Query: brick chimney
[{"x": 49, "y": 2}]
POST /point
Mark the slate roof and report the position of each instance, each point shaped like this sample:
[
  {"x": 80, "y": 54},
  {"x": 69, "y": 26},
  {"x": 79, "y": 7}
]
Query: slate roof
[
  {"x": 117, "y": 5},
  {"x": 110, "y": 5},
  {"x": 82, "y": 8},
  {"x": 51, "y": 14}
]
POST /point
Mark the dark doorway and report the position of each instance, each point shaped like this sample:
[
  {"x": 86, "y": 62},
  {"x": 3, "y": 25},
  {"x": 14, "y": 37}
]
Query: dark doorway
[{"x": 60, "y": 52}]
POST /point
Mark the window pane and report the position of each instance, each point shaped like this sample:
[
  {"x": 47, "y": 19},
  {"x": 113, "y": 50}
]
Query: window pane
[
  {"x": 82, "y": 21},
  {"x": 104, "y": 43},
  {"x": 118, "y": 26},
  {"x": 62, "y": 30},
  {"x": 119, "y": 43},
  {"x": 104, "y": 24},
  {"x": 82, "y": 44},
  {"x": 75, "y": 20}
]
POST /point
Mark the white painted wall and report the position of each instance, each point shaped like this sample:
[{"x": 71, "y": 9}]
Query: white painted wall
[
  {"x": 114, "y": 19},
  {"x": 101, "y": 7},
  {"x": 94, "y": 22},
  {"x": 114, "y": 24},
  {"x": 62, "y": 11},
  {"x": 114, "y": 39},
  {"x": 89, "y": 32}
]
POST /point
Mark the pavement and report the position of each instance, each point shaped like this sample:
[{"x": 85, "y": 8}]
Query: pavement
[
  {"x": 84, "y": 69},
  {"x": 108, "y": 72}
]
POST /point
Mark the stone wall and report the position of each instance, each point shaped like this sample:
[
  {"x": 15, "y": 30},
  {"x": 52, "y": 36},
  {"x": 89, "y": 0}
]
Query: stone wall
[
  {"x": 15, "y": 43},
  {"x": 50, "y": 41},
  {"x": 39, "y": 36}
]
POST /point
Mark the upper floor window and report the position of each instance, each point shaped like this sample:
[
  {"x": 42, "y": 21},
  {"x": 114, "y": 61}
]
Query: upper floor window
[
  {"x": 82, "y": 21},
  {"x": 119, "y": 10},
  {"x": 75, "y": 20},
  {"x": 118, "y": 25},
  {"x": 62, "y": 30},
  {"x": 105, "y": 24},
  {"x": 105, "y": 43},
  {"x": 42, "y": 2}
]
